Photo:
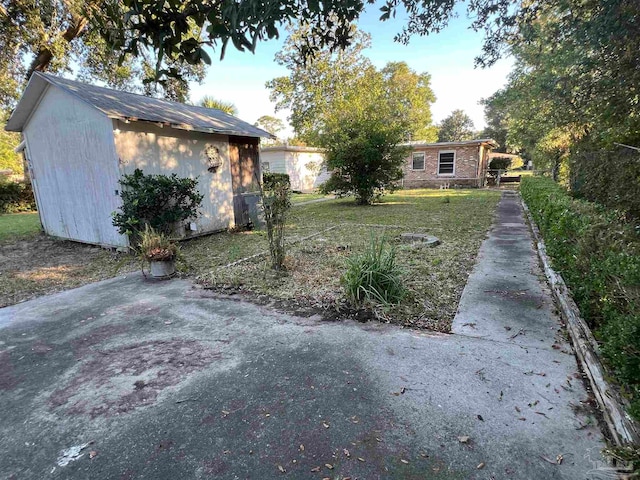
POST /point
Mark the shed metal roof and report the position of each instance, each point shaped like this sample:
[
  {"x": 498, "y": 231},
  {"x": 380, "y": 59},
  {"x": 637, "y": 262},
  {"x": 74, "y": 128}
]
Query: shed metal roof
[{"x": 132, "y": 107}]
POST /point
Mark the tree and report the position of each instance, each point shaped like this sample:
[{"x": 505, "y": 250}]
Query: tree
[
  {"x": 211, "y": 102},
  {"x": 410, "y": 96},
  {"x": 164, "y": 26},
  {"x": 365, "y": 156},
  {"x": 271, "y": 124},
  {"x": 56, "y": 35},
  {"x": 457, "y": 127},
  {"x": 9, "y": 159},
  {"x": 313, "y": 91}
]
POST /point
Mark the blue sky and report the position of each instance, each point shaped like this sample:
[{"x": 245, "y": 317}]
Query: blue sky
[{"x": 447, "y": 56}]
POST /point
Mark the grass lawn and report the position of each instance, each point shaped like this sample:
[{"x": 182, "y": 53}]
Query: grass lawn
[
  {"x": 35, "y": 265},
  {"x": 19, "y": 225},
  {"x": 305, "y": 197},
  {"x": 434, "y": 276},
  {"x": 32, "y": 264}
]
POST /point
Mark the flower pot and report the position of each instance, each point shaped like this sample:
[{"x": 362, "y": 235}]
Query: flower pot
[{"x": 162, "y": 268}]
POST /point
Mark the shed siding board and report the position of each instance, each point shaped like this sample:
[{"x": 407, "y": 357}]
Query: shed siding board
[
  {"x": 163, "y": 151},
  {"x": 73, "y": 159},
  {"x": 466, "y": 167}
]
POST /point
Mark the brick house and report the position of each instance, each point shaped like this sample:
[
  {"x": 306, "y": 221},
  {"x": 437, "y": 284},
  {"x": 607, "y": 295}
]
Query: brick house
[{"x": 448, "y": 164}]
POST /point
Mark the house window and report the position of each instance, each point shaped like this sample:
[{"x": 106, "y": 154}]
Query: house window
[
  {"x": 446, "y": 163},
  {"x": 418, "y": 161},
  {"x": 266, "y": 167}
]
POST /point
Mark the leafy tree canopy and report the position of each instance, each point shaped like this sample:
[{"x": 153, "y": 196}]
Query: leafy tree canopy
[
  {"x": 315, "y": 92},
  {"x": 211, "y": 102},
  {"x": 56, "y": 35},
  {"x": 271, "y": 124},
  {"x": 457, "y": 127},
  {"x": 574, "y": 86},
  {"x": 136, "y": 25}
]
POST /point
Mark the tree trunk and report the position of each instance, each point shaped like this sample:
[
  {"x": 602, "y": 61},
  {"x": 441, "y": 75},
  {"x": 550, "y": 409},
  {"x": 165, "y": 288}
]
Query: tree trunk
[{"x": 42, "y": 60}]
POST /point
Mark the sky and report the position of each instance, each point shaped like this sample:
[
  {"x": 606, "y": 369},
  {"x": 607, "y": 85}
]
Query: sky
[{"x": 447, "y": 56}]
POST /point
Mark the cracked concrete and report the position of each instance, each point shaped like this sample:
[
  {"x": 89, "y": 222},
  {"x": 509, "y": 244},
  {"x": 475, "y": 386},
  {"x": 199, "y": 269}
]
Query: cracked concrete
[{"x": 167, "y": 381}]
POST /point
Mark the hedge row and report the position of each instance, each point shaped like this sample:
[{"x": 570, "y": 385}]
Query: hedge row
[
  {"x": 598, "y": 255},
  {"x": 16, "y": 197}
]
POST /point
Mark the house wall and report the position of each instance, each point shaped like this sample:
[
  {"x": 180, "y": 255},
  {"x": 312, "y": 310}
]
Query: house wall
[
  {"x": 156, "y": 150},
  {"x": 465, "y": 168},
  {"x": 73, "y": 167},
  {"x": 306, "y": 170}
]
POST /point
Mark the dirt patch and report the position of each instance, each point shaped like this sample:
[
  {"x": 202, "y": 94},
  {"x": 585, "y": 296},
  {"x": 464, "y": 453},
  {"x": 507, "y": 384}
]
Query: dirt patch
[
  {"x": 122, "y": 379},
  {"x": 40, "y": 265}
]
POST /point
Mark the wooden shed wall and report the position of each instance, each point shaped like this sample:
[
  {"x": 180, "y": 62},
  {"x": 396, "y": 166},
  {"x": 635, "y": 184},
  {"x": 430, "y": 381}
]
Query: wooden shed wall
[
  {"x": 156, "y": 150},
  {"x": 74, "y": 170}
]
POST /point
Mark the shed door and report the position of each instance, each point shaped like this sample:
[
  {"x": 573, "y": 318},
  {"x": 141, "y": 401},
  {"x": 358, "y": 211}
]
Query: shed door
[{"x": 244, "y": 160}]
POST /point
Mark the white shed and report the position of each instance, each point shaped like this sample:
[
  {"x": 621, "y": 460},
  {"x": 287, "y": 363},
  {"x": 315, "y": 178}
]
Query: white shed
[
  {"x": 80, "y": 139},
  {"x": 304, "y": 165}
]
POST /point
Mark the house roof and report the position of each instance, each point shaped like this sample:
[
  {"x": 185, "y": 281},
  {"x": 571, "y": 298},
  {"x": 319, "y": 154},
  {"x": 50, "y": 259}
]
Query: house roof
[
  {"x": 132, "y": 107},
  {"x": 480, "y": 141}
]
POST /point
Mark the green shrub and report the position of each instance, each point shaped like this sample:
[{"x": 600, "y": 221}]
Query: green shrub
[
  {"x": 16, "y": 197},
  {"x": 159, "y": 201},
  {"x": 374, "y": 276},
  {"x": 275, "y": 193},
  {"x": 609, "y": 177},
  {"x": 598, "y": 255}
]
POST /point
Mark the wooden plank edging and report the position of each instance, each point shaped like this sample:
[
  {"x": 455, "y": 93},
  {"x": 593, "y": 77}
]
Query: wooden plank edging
[{"x": 623, "y": 429}]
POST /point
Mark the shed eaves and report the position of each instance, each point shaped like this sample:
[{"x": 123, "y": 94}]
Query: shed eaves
[{"x": 133, "y": 107}]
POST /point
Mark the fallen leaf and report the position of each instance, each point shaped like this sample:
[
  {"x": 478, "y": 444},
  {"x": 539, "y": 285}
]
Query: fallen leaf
[
  {"x": 346, "y": 452},
  {"x": 325, "y": 424},
  {"x": 92, "y": 454},
  {"x": 402, "y": 390},
  {"x": 224, "y": 412},
  {"x": 480, "y": 418},
  {"x": 329, "y": 466},
  {"x": 424, "y": 455},
  {"x": 378, "y": 439},
  {"x": 361, "y": 459},
  {"x": 463, "y": 439},
  {"x": 559, "y": 459},
  {"x": 404, "y": 461},
  {"x": 301, "y": 448},
  {"x": 281, "y": 468},
  {"x": 315, "y": 469},
  {"x": 522, "y": 418},
  {"x": 480, "y": 466},
  {"x": 517, "y": 409}
]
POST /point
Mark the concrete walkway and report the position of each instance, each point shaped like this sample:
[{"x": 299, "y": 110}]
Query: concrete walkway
[{"x": 134, "y": 379}]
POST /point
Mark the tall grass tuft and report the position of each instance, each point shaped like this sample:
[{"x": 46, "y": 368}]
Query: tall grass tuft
[{"x": 374, "y": 275}]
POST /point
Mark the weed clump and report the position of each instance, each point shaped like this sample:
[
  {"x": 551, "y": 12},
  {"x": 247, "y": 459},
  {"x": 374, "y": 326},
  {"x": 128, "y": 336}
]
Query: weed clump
[{"x": 374, "y": 276}]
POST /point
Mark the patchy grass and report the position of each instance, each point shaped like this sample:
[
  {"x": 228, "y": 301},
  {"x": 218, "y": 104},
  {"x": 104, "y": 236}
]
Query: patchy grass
[
  {"x": 19, "y": 225},
  {"x": 306, "y": 197},
  {"x": 36, "y": 265},
  {"x": 435, "y": 277}
]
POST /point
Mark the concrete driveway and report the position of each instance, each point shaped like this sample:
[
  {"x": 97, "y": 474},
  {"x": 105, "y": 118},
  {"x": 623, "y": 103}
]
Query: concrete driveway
[
  {"x": 132, "y": 379},
  {"x": 162, "y": 382}
]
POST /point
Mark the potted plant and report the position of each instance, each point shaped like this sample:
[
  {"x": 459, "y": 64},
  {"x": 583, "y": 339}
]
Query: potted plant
[{"x": 159, "y": 251}]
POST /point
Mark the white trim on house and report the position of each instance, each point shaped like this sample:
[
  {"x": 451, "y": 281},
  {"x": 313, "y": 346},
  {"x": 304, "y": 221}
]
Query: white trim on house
[
  {"x": 452, "y": 174},
  {"x": 424, "y": 164}
]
